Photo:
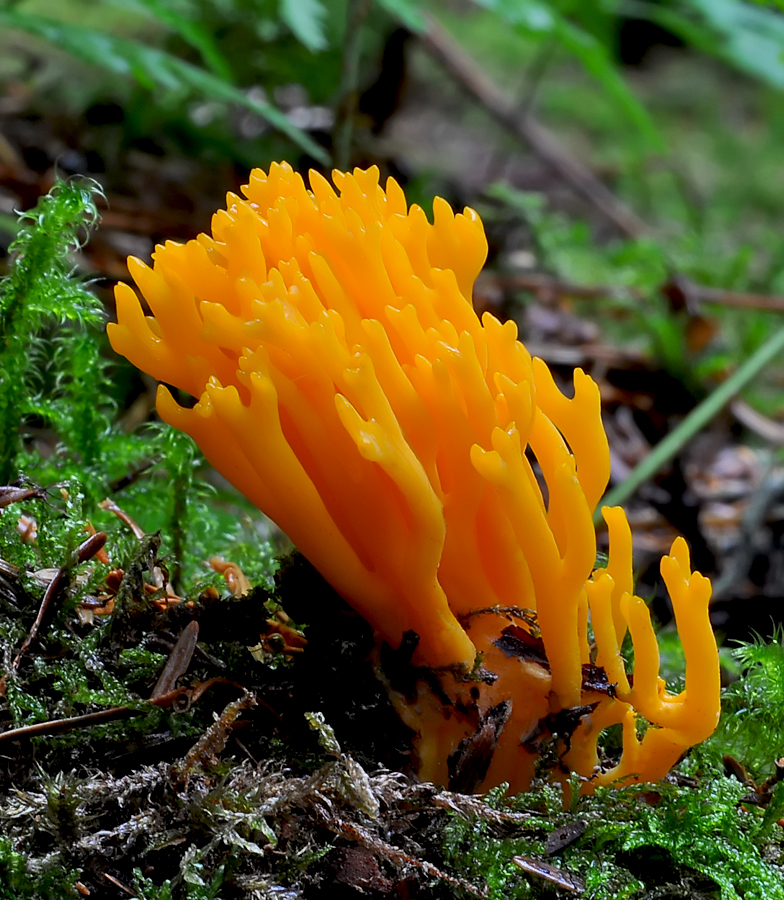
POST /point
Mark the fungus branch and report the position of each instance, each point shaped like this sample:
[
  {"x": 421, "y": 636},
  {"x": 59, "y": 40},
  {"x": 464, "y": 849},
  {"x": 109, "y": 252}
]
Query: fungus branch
[{"x": 347, "y": 387}]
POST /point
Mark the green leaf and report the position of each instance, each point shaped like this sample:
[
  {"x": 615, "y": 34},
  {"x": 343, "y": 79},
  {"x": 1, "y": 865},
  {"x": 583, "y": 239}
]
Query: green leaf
[
  {"x": 530, "y": 15},
  {"x": 753, "y": 38},
  {"x": 152, "y": 68},
  {"x": 220, "y": 90},
  {"x": 407, "y": 11},
  {"x": 749, "y": 38},
  {"x": 306, "y": 19},
  {"x": 189, "y": 30}
]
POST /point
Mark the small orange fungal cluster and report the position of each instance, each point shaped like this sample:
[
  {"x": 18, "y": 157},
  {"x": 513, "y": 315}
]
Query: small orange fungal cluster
[{"x": 347, "y": 387}]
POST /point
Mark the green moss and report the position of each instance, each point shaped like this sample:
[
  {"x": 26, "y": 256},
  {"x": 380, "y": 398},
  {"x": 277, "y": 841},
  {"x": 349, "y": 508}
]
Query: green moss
[
  {"x": 17, "y": 882},
  {"x": 43, "y": 310},
  {"x": 752, "y": 722},
  {"x": 54, "y": 369},
  {"x": 692, "y": 839}
]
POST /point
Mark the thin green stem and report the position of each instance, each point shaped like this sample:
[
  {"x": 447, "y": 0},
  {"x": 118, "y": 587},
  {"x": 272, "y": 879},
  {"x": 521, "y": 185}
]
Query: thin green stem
[
  {"x": 349, "y": 81},
  {"x": 696, "y": 420}
]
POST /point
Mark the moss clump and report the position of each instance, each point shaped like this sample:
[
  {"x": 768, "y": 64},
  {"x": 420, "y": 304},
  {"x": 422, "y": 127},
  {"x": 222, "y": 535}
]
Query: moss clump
[
  {"x": 689, "y": 837},
  {"x": 48, "y": 357},
  {"x": 752, "y": 724}
]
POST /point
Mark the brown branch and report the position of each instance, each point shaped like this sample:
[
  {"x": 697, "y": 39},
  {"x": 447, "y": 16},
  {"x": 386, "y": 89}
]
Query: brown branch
[
  {"x": 439, "y": 43},
  {"x": 58, "y": 726},
  {"x": 353, "y": 831},
  {"x": 179, "y": 698},
  {"x": 547, "y": 287},
  {"x": 766, "y": 428},
  {"x": 118, "y": 884},
  {"x": 700, "y": 293}
]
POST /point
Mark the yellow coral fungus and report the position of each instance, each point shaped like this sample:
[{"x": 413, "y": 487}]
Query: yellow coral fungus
[{"x": 348, "y": 388}]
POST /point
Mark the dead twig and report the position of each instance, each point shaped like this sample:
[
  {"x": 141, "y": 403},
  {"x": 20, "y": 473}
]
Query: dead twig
[
  {"x": 12, "y": 493},
  {"x": 86, "y": 550},
  {"x": 59, "y": 726},
  {"x": 768, "y": 429},
  {"x": 207, "y": 749},
  {"x": 118, "y": 884},
  {"x": 184, "y": 698},
  {"x": 180, "y": 698},
  {"x": 362, "y": 836},
  {"x": 543, "y": 142},
  {"x": 110, "y": 506},
  {"x": 695, "y": 294},
  {"x": 548, "y": 288}
]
